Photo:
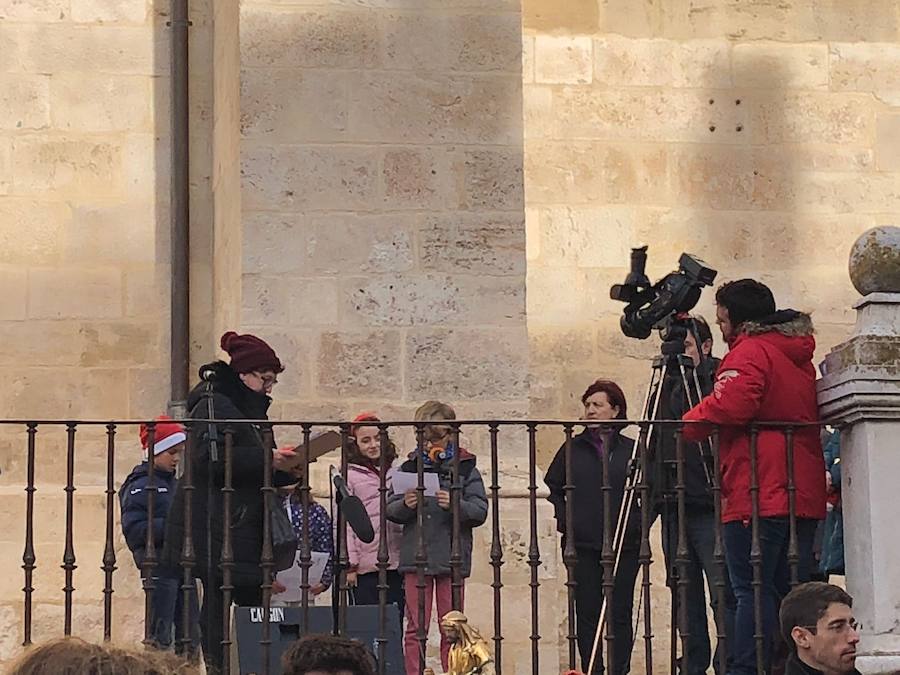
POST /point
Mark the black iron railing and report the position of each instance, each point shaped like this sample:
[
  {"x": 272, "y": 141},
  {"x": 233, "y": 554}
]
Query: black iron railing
[{"x": 221, "y": 495}]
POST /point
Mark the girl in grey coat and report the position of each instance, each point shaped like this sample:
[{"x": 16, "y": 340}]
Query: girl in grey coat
[{"x": 437, "y": 457}]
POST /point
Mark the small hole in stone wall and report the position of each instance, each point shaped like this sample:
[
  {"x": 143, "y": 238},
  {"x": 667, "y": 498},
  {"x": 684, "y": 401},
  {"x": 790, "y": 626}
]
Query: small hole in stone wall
[
  {"x": 712, "y": 127},
  {"x": 711, "y": 101},
  {"x": 756, "y": 173},
  {"x": 739, "y": 128},
  {"x": 737, "y": 102}
]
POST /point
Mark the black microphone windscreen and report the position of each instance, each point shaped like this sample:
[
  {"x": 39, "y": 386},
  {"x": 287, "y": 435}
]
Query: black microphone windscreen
[{"x": 358, "y": 519}]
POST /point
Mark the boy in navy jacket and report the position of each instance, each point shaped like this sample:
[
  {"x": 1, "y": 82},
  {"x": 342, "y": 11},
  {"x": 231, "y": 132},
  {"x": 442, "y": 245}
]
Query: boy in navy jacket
[{"x": 166, "y": 597}]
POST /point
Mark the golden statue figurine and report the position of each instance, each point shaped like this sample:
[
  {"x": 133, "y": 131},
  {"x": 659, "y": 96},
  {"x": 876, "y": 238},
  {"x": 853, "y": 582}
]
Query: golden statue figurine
[{"x": 469, "y": 652}]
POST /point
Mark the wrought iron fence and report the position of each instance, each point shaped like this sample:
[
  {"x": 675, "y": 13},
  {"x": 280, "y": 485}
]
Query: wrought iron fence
[{"x": 205, "y": 464}]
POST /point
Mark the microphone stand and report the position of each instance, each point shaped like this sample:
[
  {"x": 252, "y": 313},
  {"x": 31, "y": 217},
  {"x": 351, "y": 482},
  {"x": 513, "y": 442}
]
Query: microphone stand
[
  {"x": 336, "y": 559},
  {"x": 212, "y": 434}
]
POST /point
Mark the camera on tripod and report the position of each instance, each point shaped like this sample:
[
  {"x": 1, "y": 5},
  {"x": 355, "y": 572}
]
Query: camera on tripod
[
  {"x": 665, "y": 306},
  {"x": 652, "y": 306}
]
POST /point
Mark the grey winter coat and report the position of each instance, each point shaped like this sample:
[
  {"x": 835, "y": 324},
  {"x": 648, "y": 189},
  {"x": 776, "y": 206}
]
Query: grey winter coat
[{"x": 438, "y": 523}]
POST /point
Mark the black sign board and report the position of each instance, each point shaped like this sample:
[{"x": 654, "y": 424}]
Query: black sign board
[{"x": 284, "y": 628}]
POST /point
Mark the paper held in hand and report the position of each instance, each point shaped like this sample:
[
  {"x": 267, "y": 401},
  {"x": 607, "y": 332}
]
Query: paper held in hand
[
  {"x": 403, "y": 482},
  {"x": 292, "y": 578}
]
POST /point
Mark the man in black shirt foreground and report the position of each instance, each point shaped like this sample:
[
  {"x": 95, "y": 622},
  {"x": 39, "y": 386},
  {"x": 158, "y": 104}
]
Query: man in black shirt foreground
[{"x": 817, "y": 622}]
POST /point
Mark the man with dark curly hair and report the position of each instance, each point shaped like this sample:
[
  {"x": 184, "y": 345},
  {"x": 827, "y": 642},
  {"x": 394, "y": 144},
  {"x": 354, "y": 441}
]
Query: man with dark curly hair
[{"x": 327, "y": 655}]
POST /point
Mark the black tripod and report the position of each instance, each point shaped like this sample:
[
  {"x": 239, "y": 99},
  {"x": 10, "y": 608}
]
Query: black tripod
[{"x": 669, "y": 367}]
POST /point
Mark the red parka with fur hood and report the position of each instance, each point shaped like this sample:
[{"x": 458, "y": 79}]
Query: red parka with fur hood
[{"x": 767, "y": 375}]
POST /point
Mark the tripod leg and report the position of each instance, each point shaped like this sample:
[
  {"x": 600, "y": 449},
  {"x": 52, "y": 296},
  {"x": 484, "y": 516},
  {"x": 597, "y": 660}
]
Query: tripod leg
[
  {"x": 671, "y": 583},
  {"x": 691, "y": 387},
  {"x": 635, "y": 478},
  {"x": 673, "y": 633}
]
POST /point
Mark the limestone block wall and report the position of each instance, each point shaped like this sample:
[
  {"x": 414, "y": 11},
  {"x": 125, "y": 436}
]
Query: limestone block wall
[
  {"x": 383, "y": 233},
  {"x": 760, "y": 136},
  {"x": 83, "y": 232},
  {"x": 383, "y": 224},
  {"x": 84, "y": 276}
]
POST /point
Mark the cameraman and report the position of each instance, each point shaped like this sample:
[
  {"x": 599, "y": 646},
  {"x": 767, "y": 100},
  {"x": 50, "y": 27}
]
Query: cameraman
[{"x": 699, "y": 507}]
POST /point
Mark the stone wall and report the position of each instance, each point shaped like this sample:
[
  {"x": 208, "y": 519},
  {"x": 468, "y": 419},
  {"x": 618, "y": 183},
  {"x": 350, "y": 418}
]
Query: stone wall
[
  {"x": 760, "y": 136},
  {"x": 384, "y": 248},
  {"x": 357, "y": 198},
  {"x": 384, "y": 240},
  {"x": 215, "y": 246},
  {"x": 84, "y": 258},
  {"x": 82, "y": 225}
]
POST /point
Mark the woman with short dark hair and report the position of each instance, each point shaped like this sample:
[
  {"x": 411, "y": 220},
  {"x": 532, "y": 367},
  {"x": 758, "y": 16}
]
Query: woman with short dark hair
[{"x": 603, "y": 400}]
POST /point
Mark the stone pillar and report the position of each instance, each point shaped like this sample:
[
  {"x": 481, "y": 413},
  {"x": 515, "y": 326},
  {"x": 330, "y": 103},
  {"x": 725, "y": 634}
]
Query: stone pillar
[{"x": 860, "y": 393}]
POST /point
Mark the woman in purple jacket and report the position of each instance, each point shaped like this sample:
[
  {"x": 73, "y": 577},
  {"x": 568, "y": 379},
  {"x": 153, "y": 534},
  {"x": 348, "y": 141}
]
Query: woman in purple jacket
[{"x": 364, "y": 480}]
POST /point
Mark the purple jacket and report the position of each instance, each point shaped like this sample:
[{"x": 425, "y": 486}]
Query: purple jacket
[{"x": 364, "y": 483}]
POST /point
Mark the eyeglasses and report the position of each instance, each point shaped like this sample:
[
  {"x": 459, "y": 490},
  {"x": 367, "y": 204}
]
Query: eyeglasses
[
  {"x": 838, "y": 627},
  {"x": 268, "y": 381}
]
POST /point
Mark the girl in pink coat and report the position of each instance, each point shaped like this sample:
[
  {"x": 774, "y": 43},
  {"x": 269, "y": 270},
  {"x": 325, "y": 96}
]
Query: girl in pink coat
[{"x": 364, "y": 480}]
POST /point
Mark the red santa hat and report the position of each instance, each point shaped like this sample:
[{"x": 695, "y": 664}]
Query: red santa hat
[{"x": 167, "y": 435}]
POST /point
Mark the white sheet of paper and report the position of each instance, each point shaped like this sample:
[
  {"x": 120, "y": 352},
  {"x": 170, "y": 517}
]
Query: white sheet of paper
[
  {"x": 402, "y": 482},
  {"x": 293, "y": 577}
]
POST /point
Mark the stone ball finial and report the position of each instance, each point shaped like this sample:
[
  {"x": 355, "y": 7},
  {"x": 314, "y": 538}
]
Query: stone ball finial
[{"x": 875, "y": 261}]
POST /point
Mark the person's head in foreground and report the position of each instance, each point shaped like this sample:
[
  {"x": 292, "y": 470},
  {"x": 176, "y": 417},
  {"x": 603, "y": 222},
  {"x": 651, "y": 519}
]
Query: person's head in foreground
[
  {"x": 817, "y": 622},
  {"x": 327, "y": 655},
  {"x": 74, "y": 656}
]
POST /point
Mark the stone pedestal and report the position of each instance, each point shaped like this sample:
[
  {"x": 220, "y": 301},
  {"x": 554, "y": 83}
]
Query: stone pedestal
[{"x": 860, "y": 393}]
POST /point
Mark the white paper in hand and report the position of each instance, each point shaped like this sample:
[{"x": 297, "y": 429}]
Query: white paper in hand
[
  {"x": 403, "y": 482},
  {"x": 292, "y": 578}
]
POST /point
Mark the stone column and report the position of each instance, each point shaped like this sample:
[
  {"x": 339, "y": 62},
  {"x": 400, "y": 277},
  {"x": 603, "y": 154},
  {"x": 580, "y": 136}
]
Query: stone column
[{"x": 860, "y": 393}]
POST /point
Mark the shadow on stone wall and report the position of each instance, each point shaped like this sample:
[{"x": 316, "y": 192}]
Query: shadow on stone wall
[{"x": 741, "y": 184}]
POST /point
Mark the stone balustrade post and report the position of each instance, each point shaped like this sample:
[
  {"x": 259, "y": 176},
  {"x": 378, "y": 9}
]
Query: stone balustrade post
[{"x": 860, "y": 393}]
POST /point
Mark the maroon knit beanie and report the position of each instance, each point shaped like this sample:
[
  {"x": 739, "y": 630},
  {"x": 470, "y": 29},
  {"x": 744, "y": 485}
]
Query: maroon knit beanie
[{"x": 248, "y": 353}]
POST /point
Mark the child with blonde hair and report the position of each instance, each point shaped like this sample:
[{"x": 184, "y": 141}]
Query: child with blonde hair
[{"x": 439, "y": 451}]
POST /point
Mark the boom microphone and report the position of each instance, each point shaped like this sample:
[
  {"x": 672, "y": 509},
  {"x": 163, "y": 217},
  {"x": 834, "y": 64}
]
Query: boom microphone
[{"x": 353, "y": 509}]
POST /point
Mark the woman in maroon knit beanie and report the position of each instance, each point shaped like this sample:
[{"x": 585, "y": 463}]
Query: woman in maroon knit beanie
[{"x": 240, "y": 391}]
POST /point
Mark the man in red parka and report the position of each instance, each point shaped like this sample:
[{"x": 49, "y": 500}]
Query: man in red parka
[{"x": 767, "y": 375}]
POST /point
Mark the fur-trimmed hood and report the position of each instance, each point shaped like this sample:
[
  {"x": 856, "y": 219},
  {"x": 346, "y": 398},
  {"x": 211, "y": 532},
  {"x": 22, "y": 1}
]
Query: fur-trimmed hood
[
  {"x": 787, "y": 330},
  {"x": 788, "y": 322}
]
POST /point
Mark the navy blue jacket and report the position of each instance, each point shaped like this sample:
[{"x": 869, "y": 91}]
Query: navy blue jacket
[{"x": 133, "y": 498}]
